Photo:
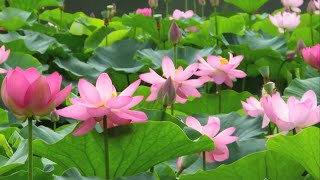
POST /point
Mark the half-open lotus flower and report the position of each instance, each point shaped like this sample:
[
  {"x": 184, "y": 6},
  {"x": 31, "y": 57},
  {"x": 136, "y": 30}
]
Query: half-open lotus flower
[
  {"x": 27, "y": 93},
  {"x": 295, "y": 113},
  {"x": 101, "y": 100},
  {"x": 185, "y": 87},
  {"x": 211, "y": 129},
  {"x": 293, "y": 4},
  {"x": 177, "y": 14},
  {"x": 285, "y": 21},
  {"x": 220, "y": 70},
  {"x": 311, "y": 55},
  {"x": 253, "y": 108},
  {"x": 4, "y": 54}
]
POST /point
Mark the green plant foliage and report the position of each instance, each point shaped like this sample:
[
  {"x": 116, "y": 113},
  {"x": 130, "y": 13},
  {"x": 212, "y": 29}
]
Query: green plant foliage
[
  {"x": 298, "y": 87},
  {"x": 302, "y": 148},
  {"x": 148, "y": 145},
  {"x": 267, "y": 165},
  {"x": 13, "y": 19},
  {"x": 30, "y": 5},
  {"x": 208, "y": 103}
]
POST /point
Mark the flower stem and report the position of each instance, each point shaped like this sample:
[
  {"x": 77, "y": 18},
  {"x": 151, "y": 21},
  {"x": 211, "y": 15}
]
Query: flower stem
[
  {"x": 163, "y": 112},
  {"x": 195, "y": 6},
  {"x": 202, "y": 11},
  {"x": 270, "y": 130},
  {"x": 311, "y": 29},
  {"x": 106, "y": 145},
  {"x": 185, "y": 5},
  {"x": 179, "y": 172},
  {"x": 30, "y": 153},
  {"x": 54, "y": 126},
  {"x": 172, "y": 109},
  {"x": 128, "y": 79},
  {"x": 204, "y": 164},
  {"x": 219, "y": 98},
  {"x": 244, "y": 79},
  {"x": 175, "y": 55},
  {"x": 167, "y": 8},
  {"x": 216, "y": 22}
]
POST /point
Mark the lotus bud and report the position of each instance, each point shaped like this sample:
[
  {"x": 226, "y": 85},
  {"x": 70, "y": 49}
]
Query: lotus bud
[
  {"x": 290, "y": 55},
  {"x": 114, "y": 9},
  {"x": 202, "y": 2},
  {"x": 300, "y": 46},
  {"x": 54, "y": 116},
  {"x": 167, "y": 93},
  {"x": 215, "y": 2},
  {"x": 153, "y": 4},
  {"x": 186, "y": 161},
  {"x": 92, "y": 15},
  {"x": 268, "y": 89},
  {"x": 174, "y": 33},
  {"x": 311, "y": 8}
]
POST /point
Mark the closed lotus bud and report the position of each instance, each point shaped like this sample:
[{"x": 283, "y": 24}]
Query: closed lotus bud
[
  {"x": 174, "y": 33},
  {"x": 300, "y": 46},
  {"x": 214, "y": 2},
  {"x": 290, "y": 55},
  {"x": 268, "y": 89},
  {"x": 54, "y": 116},
  {"x": 167, "y": 93},
  {"x": 202, "y": 2},
  {"x": 311, "y": 8},
  {"x": 186, "y": 161},
  {"x": 153, "y": 3}
]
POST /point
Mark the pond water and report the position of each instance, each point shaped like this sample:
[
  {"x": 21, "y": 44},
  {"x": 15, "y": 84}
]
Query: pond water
[{"x": 125, "y": 6}]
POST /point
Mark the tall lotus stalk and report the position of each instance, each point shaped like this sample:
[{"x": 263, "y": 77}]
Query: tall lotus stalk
[
  {"x": 195, "y": 6},
  {"x": 185, "y": 5},
  {"x": 30, "y": 152},
  {"x": 106, "y": 146},
  {"x": 167, "y": 7}
]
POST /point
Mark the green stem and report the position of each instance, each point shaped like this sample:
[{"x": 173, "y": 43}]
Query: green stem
[
  {"x": 163, "y": 112},
  {"x": 270, "y": 129},
  {"x": 204, "y": 164},
  {"x": 311, "y": 30},
  {"x": 195, "y": 6},
  {"x": 216, "y": 22},
  {"x": 172, "y": 109},
  {"x": 106, "y": 145},
  {"x": 185, "y": 5},
  {"x": 202, "y": 11},
  {"x": 244, "y": 79},
  {"x": 167, "y": 8},
  {"x": 179, "y": 172},
  {"x": 219, "y": 98},
  {"x": 250, "y": 22},
  {"x": 54, "y": 126},
  {"x": 30, "y": 153},
  {"x": 175, "y": 55}
]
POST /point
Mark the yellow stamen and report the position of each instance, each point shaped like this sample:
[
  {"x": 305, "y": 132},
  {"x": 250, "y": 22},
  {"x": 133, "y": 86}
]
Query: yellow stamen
[
  {"x": 224, "y": 61},
  {"x": 114, "y": 94},
  {"x": 176, "y": 71}
]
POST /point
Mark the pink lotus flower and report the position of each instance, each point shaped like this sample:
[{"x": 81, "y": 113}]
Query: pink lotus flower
[
  {"x": 191, "y": 29},
  {"x": 4, "y": 54},
  {"x": 184, "y": 86},
  {"x": 317, "y": 3},
  {"x": 293, "y": 114},
  {"x": 311, "y": 55},
  {"x": 144, "y": 11},
  {"x": 177, "y": 14},
  {"x": 27, "y": 93},
  {"x": 293, "y": 4},
  {"x": 220, "y": 70},
  {"x": 211, "y": 129},
  {"x": 101, "y": 100},
  {"x": 254, "y": 108},
  {"x": 285, "y": 20}
]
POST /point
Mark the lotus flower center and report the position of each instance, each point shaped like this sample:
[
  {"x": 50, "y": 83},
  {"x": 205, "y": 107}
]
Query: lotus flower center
[
  {"x": 176, "y": 71},
  {"x": 114, "y": 94},
  {"x": 224, "y": 61}
]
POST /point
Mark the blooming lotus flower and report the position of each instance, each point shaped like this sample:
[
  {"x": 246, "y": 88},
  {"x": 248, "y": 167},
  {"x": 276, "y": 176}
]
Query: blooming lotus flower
[
  {"x": 4, "y": 54},
  {"x": 184, "y": 86},
  {"x": 27, "y": 93},
  {"x": 177, "y": 14},
  {"x": 317, "y": 3},
  {"x": 295, "y": 113},
  {"x": 285, "y": 20},
  {"x": 101, "y": 100},
  {"x": 311, "y": 55},
  {"x": 253, "y": 108},
  {"x": 293, "y": 4},
  {"x": 219, "y": 69},
  {"x": 211, "y": 129},
  {"x": 144, "y": 11}
]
